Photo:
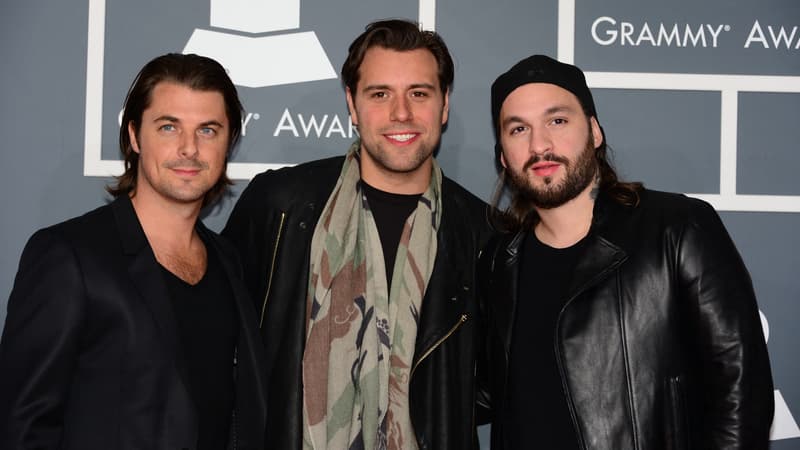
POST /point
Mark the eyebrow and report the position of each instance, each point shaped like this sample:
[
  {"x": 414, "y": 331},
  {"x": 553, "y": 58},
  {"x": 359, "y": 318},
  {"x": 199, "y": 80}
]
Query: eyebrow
[
  {"x": 558, "y": 109},
  {"x": 512, "y": 119},
  {"x": 381, "y": 87},
  {"x": 212, "y": 122},
  {"x": 167, "y": 118},
  {"x": 548, "y": 112},
  {"x": 176, "y": 120}
]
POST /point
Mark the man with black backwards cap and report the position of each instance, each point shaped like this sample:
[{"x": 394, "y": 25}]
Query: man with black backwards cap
[{"x": 619, "y": 317}]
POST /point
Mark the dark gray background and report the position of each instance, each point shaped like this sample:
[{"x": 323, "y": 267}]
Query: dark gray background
[{"x": 668, "y": 139}]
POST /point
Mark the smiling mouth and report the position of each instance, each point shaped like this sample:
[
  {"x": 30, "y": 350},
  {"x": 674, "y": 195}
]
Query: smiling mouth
[{"x": 403, "y": 137}]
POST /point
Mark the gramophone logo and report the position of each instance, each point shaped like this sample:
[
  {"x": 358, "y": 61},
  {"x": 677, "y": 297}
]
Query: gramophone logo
[{"x": 257, "y": 60}]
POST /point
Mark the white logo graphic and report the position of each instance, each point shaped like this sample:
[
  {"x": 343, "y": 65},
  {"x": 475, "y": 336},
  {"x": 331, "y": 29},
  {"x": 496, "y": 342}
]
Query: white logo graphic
[
  {"x": 607, "y": 31},
  {"x": 265, "y": 60}
]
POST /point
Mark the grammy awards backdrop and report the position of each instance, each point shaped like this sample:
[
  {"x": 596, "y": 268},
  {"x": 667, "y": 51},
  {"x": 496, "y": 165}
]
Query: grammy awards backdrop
[{"x": 695, "y": 97}]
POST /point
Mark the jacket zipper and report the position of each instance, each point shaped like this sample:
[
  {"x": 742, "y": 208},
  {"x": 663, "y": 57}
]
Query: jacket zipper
[
  {"x": 272, "y": 268},
  {"x": 234, "y": 427},
  {"x": 455, "y": 327},
  {"x": 573, "y": 414},
  {"x": 677, "y": 411},
  {"x": 560, "y": 364},
  {"x": 430, "y": 350},
  {"x": 474, "y": 406},
  {"x": 234, "y": 419}
]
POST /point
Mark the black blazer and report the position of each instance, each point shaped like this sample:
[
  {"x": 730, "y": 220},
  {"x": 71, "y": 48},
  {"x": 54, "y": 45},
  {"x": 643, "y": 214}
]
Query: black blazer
[{"x": 90, "y": 356}]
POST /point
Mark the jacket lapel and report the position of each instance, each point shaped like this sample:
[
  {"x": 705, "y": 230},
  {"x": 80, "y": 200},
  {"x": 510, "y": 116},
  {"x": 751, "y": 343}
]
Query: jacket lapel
[
  {"x": 600, "y": 258},
  {"x": 505, "y": 306},
  {"x": 251, "y": 391},
  {"x": 604, "y": 250},
  {"x": 244, "y": 306},
  {"x": 146, "y": 276}
]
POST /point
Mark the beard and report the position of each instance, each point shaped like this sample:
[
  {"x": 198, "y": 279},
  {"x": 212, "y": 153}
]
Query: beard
[{"x": 579, "y": 174}]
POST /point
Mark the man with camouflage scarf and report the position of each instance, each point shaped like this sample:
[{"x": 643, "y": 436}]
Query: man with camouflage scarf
[{"x": 363, "y": 266}]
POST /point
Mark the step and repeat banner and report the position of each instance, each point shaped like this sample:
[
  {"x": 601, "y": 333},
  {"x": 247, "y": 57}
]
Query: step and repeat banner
[{"x": 700, "y": 98}]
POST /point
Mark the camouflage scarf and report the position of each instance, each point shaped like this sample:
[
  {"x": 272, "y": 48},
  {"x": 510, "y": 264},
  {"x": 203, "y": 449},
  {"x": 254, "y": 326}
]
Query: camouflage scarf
[{"x": 360, "y": 341}]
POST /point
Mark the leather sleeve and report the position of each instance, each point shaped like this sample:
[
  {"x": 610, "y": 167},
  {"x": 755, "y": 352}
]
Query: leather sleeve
[
  {"x": 738, "y": 399},
  {"x": 40, "y": 343}
]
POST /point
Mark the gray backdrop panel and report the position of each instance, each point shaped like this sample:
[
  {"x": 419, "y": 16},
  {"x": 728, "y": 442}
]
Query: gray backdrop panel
[{"x": 665, "y": 135}]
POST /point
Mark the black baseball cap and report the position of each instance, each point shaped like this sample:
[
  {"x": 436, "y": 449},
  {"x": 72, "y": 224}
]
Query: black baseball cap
[{"x": 541, "y": 69}]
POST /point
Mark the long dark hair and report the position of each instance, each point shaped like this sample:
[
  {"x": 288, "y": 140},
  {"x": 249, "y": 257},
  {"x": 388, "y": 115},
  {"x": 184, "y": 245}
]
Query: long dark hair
[{"x": 195, "y": 72}]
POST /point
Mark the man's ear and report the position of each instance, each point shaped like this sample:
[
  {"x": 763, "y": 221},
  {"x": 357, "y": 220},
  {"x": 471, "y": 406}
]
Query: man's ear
[
  {"x": 351, "y": 106},
  {"x": 597, "y": 133},
  {"x": 446, "y": 107},
  {"x": 132, "y": 137}
]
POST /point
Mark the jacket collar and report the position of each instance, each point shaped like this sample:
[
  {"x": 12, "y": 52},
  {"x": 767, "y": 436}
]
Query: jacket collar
[
  {"x": 605, "y": 217},
  {"x": 604, "y": 247}
]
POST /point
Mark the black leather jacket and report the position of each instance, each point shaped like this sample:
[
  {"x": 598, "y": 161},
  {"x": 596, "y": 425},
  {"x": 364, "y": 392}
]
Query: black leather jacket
[
  {"x": 272, "y": 226},
  {"x": 660, "y": 344}
]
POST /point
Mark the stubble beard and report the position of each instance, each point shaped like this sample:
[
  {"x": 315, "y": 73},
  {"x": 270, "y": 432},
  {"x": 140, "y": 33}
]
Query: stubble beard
[
  {"x": 178, "y": 190},
  {"x": 399, "y": 163}
]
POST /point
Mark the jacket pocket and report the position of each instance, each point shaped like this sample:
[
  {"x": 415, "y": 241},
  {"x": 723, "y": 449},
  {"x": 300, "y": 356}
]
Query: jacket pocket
[{"x": 678, "y": 428}]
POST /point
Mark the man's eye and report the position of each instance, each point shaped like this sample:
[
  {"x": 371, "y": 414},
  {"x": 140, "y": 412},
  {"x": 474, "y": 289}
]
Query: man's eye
[
  {"x": 167, "y": 127},
  {"x": 516, "y": 130},
  {"x": 419, "y": 94},
  {"x": 208, "y": 131},
  {"x": 559, "y": 121},
  {"x": 379, "y": 94}
]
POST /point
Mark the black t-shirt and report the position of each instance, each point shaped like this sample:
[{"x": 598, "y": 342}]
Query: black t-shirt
[
  {"x": 538, "y": 415},
  {"x": 390, "y": 212},
  {"x": 208, "y": 329}
]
